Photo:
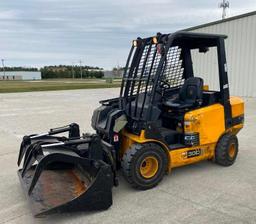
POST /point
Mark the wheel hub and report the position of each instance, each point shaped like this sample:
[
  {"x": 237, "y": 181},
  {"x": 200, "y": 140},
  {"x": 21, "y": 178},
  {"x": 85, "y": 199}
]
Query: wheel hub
[
  {"x": 232, "y": 150},
  {"x": 149, "y": 167}
]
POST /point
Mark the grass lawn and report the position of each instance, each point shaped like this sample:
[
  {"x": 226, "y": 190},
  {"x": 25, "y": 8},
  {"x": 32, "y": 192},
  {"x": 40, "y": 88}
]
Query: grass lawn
[{"x": 55, "y": 84}]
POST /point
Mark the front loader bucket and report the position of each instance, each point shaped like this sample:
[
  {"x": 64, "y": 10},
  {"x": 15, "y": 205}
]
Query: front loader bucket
[
  {"x": 66, "y": 174},
  {"x": 68, "y": 190}
]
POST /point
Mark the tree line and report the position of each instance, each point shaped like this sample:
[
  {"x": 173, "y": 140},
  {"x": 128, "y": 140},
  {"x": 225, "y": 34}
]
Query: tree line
[
  {"x": 62, "y": 71},
  {"x": 68, "y": 71}
]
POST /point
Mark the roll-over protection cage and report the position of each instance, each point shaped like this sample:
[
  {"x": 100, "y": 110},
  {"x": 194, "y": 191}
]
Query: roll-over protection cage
[{"x": 163, "y": 62}]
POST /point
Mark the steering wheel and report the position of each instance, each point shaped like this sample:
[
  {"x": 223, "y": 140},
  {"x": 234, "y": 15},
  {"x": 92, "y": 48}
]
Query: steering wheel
[{"x": 165, "y": 85}]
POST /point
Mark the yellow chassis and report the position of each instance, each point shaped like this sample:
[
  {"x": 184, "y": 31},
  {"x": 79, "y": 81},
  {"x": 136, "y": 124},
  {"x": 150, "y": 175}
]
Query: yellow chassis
[{"x": 208, "y": 121}]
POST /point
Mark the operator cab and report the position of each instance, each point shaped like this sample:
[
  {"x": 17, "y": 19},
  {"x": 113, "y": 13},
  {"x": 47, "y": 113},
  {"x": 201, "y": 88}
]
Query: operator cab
[{"x": 159, "y": 85}]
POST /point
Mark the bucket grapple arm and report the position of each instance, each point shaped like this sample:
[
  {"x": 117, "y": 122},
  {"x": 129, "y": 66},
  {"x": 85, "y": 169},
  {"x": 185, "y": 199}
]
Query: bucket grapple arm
[{"x": 66, "y": 173}]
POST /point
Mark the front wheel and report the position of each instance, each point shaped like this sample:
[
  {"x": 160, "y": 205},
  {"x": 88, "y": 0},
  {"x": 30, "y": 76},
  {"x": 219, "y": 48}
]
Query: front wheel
[
  {"x": 226, "y": 150},
  {"x": 144, "y": 165}
]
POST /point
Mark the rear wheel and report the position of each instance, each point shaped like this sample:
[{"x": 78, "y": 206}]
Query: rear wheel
[
  {"x": 226, "y": 150},
  {"x": 144, "y": 165}
]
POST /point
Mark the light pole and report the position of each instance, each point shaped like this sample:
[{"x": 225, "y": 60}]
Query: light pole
[
  {"x": 81, "y": 73},
  {"x": 3, "y": 67},
  {"x": 224, "y": 5},
  {"x": 72, "y": 70}
]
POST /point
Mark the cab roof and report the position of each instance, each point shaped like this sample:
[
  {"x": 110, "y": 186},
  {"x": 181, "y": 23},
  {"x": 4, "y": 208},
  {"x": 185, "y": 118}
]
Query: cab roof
[{"x": 191, "y": 40}]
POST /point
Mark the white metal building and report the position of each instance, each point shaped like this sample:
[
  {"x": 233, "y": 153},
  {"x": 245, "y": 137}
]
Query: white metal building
[
  {"x": 240, "y": 51},
  {"x": 20, "y": 75}
]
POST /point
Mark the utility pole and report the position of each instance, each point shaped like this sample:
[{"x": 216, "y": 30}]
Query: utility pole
[
  {"x": 72, "y": 70},
  {"x": 3, "y": 67},
  {"x": 224, "y": 5},
  {"x": 81, "y": 73},
  {"x": 118, "y": 69}
]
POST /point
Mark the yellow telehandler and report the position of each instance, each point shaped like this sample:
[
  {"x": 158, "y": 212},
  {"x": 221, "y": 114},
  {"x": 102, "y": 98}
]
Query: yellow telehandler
[{"x": 165, "y": 117}]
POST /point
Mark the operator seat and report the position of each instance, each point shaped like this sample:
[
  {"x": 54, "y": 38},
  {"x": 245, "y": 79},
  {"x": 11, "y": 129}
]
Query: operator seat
[{"x": 190, "y": 95}]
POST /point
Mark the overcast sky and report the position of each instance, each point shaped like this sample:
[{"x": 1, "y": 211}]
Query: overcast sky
[{"x": 99, "y": 32}]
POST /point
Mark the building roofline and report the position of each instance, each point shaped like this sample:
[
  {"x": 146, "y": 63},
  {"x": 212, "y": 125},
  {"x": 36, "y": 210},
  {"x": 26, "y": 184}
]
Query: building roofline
[
  {"x": 222, "y": 21},
  {"x": 6, "y": 71}
]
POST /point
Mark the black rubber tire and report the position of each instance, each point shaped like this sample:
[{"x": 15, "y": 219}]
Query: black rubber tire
[
  {"x": 132, "y": 159},
  {"x": 222, "y": 150}
]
